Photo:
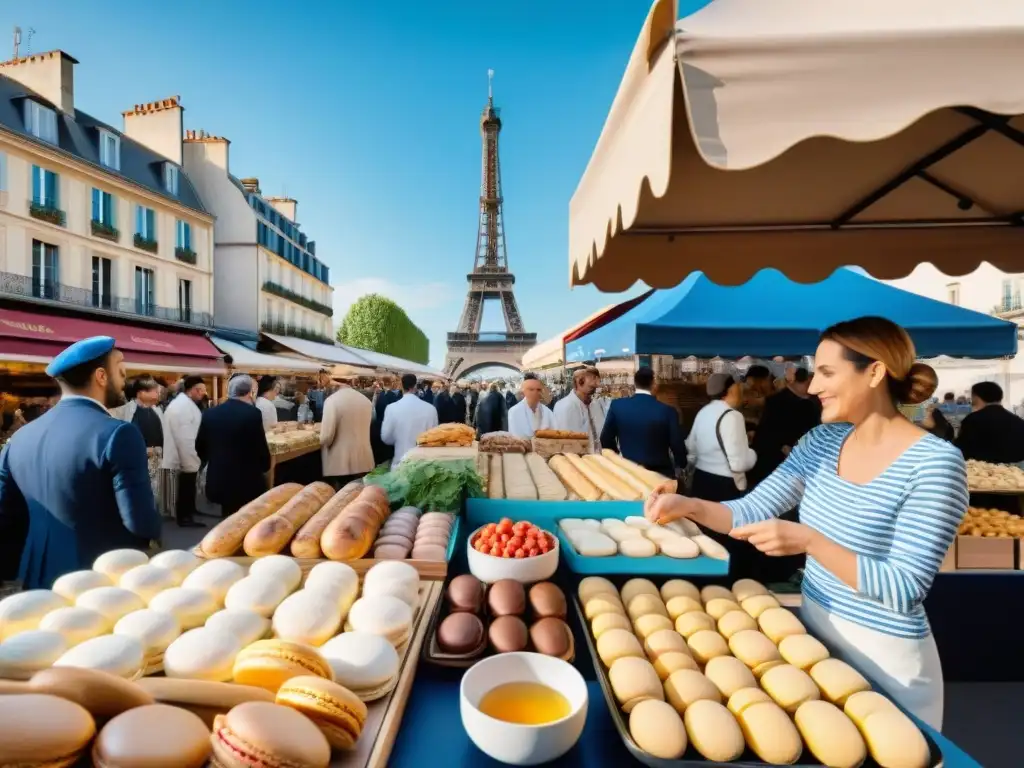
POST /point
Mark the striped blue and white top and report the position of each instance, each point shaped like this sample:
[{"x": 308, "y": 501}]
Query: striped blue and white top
[{"x": 900, "y": 525}]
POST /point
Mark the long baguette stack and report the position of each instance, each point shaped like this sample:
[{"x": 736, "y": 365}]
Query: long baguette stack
[
  {"x": 271, "y": 535},
  {"x": 226, "y": 537},
  {"x": 517, "y": 478},
  {"x": 549, "y": 487}
]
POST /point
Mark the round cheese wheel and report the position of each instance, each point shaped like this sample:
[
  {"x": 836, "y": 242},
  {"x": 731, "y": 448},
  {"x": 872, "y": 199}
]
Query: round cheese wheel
[
  {"x": 658, "y": 730},
  {"x": 729, "y": 675},
  {"x": 713, "y": 731},
  {"x": 685, "y": 686},
  {"x": 789, "y": 686},
  {"x": 695, "y": 621},
  {"x": 830, "y": 735},
  {"x": 770, "y": 733}
]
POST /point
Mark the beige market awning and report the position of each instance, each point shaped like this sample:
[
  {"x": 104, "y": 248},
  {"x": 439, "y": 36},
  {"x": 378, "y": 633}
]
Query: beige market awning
[
  {"x": 551, "y": 352},
  {"x": 809, "y": 135}
]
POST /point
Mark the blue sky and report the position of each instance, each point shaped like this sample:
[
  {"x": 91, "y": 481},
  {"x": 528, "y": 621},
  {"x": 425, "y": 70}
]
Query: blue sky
[{"x": 368, "y": 112}]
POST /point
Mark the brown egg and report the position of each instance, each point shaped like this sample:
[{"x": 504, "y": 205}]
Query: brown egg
[
  {"x": 550, "y": 636},
  {"x": 466, "y": 593},
  {"x": 460, "y": 633},
  {"x": 546, "y": 600},
  {"x": 506, "y": 598},
  {"x": 508, "y": 634}
]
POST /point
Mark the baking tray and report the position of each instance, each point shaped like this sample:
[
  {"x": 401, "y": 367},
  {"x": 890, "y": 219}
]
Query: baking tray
[
  {"x": 692, "y": 758},
  {"x": 658, "y": 565},
  {"x": 432, "y": 653}
]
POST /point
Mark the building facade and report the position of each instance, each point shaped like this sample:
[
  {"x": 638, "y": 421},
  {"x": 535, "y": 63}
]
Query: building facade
[
  {"x": 96, "y": 219},
  {"x": 267, "y": 275}
]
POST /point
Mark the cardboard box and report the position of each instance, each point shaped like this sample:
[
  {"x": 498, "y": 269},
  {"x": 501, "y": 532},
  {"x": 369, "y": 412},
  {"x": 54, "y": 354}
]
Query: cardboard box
[
  {"x": 986, "y": 553},
  {"x": 949, "y": 563}
]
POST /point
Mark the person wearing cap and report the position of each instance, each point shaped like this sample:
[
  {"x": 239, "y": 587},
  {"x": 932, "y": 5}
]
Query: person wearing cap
[
  {"x": 181, "y": 425},
  {"x": 77, "y": 478},
  {"x": 345, "y": 450},
  {"x": 233, "y": 445}
]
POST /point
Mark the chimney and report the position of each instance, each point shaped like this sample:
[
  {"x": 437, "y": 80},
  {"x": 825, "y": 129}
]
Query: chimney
[
  {"x": 50, "y": 74},
  {"x": 203, "y": 147},
  {"x": 251, "y": 185},
  {"x": 286, "y": 206},
  {"x": 157, "y": 126}
]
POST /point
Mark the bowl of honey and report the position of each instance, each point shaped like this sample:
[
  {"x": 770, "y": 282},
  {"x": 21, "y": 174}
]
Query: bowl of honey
[{"x": 523, "y": 708}]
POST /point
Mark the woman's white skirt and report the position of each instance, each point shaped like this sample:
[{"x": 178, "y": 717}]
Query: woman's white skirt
[{"x": 908, "y": 669}]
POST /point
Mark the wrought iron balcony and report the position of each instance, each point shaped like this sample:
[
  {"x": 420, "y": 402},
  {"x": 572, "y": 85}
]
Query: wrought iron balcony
[
  {"x": 284, "y": 293},
  {"x": 283, "y": 329},
  {"x": 12, "y": 285},
  {"x": 520, "y": 339}
]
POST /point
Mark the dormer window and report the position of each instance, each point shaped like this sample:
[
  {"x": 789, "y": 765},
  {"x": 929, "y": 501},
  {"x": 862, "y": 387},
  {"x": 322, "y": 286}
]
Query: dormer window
[
  {"x": 110, "y": 150},
  {"x": 171, "y": 178},
  {"x": 41, "y": 121}
]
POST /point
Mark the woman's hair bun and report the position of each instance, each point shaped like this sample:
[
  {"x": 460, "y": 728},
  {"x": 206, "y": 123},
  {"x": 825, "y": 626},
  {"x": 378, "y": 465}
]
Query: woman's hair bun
[{"x": 920, "y": 384}]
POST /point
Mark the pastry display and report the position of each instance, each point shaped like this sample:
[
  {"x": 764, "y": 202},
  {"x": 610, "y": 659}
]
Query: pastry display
[
  {"x": 982, "y": 476},
  {"x": 291, "y": 438},
  {"x": 447, "y": 436},
  {"x": 992, "y": 523},
  {"x": 274, "y": 532},
  {"x": 155, "y": 734},
  {"x": 633, "y": 537}
]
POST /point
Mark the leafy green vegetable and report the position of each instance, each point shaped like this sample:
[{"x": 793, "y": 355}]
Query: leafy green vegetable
[{"x": 430, "y": 484}]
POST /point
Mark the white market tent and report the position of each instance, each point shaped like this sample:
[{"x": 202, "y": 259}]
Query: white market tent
[
  {"x": 352, "y": 361},
  {"x": 250, "y": 361}
]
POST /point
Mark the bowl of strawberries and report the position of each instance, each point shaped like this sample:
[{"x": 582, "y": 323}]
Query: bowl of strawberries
[{"x": 512, "y": 550}]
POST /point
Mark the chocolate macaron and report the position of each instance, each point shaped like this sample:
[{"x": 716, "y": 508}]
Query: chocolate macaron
[
  {"x": 461, "y": 634},
  {"x": 508, "y": 634}
]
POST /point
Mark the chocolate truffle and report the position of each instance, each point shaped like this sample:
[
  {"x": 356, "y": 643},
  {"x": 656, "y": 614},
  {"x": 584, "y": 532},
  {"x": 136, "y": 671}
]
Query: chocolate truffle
[
  {"x": 466, "y": 593},
  {"x": 550, "y": 636},
  {"x": 506, "y": 598},
  {"x": 547, "y": 600},
  {"x": 460, "y": 633},
  {"x": 507, "y": 634}
]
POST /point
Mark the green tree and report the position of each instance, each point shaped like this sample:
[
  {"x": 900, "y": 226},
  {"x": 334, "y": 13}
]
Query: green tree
[{"x": 378, "y": 324}]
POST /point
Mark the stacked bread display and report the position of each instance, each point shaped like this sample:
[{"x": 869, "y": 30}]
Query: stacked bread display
[
  {"x": 351, "y": 534},
  {"x": 447, "y": 436},
  {"x": 503, "y": 442},
  {"x": 273, "y": 533},
  {"x": 730, "y": 670},
  {"x": 983, "y": 476},
  {"x": 637, "y": 537},
  {"x": 992, "y": 523}
]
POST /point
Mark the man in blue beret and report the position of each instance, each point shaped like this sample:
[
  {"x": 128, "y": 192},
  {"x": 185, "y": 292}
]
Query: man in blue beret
[{"x": 77, "y": 476}]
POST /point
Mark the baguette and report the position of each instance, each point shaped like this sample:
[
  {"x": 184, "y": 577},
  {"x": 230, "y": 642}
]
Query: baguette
[
  {"x": 519, "y": 483},
  {"x": 651, "y": 479},
  {"x": 350, "y": 535},
  {"x": 496, "y": 478},
  {"x": 574, "y": 480},
  {"x": 608, "y": 485},
  {"x": 609, "y": 467},
  {"x": 307, "y": 541},
  {"x": 549, "y": 487},
  {"x": 270, "y": 535},
  {"x": 226, "y": 537}
]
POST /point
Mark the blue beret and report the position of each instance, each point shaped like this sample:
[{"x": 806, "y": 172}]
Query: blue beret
[{"x": 80, "y": 352}]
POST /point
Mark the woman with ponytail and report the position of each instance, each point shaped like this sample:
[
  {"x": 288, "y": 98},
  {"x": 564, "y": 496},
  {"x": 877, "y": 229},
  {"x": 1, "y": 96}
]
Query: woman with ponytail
[{"x": 880, "y": 503}]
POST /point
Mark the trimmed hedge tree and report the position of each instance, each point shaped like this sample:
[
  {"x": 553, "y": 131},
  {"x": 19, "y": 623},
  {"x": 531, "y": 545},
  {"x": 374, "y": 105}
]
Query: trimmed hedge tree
[{"x": 378, "y": 324}]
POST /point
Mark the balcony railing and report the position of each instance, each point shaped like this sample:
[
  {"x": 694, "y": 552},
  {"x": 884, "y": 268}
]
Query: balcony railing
[
  {"x": 47, "y": 212},
  {"x": 492, "y": 338},
  {"x": 51, "y": 290},
  {"x": 144, "y": 243},
  {"x": 186, "y": 255},
  {"x": 107, "y": 232},
  {"x": 284, "y": 293},
  {"x": 283, "y": 329}
]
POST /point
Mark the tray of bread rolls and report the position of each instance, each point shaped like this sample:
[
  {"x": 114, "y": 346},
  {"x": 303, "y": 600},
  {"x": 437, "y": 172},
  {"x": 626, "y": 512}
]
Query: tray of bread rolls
[
  {"x": 314, "y": 523},
  {"x": 697, "y": 676}
]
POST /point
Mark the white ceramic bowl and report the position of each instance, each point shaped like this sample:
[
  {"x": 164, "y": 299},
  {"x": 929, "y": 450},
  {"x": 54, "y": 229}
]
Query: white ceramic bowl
[
  {"x": 512, "y": 743},
  {"x": 527, "y": 570}
]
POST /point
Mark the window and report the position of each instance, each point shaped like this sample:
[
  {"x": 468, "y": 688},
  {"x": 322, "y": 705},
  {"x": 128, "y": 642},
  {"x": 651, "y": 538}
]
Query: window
[
  {"x": 953, "y": 294},
  {"x": 145, "y": 222},
  {"x": 1007, "y": 295},
  {"x": 185, "y": 300},
  {"x": 110, "y": 150},
  {"x": 144, "y": 291},
  {"x": 103, "y": 206},
  {"x": 171, "y": 178},
  {"x": 40, "y": 121},
  {"x": 45, "y": 270},
  {"x": 45, "y": 188},
  {"x": 101, "y": 270},
  {"x": 184, "y": 235}
]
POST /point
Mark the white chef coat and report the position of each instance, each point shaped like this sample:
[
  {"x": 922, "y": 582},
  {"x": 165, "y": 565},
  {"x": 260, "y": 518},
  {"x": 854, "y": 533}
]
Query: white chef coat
[
  {"x": 523, "y": 422},
  {"x": 268, "y": 411},
  {"x": 404, "y": 421},
  {"x": 573, "y": 415},
  {"x": 181, "y": 425}
]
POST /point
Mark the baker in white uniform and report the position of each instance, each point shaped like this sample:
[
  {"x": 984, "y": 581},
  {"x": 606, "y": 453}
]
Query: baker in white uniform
[{"x": 530, "y": 414}]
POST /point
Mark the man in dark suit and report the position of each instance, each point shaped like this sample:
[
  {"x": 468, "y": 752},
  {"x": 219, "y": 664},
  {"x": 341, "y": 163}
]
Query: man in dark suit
[
  {"x": 233, "y": 445},
  {"x": 492, "y": 414},
  {"x": 458, "y": 405},
  {"x": 994, "y": 434},
  {"x": 74, "y": 483},
  {"x": 473, "y": 402},
  {"x": 644, "y": 430},
  {"x": 447, "y": 410},
  {"x": 788, "y": 415}
]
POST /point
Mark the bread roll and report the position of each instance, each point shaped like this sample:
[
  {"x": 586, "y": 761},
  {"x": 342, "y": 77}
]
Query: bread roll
[
  {"x": 270, "y": 535},
  {"x": 744, "y": 697},
  {"x": 830, "y": 735},
  {"x": 226, "y": 537},
  {"x": 770, "y": 733},
  {"x": 713, "y": 731},
  {"x": 779, "y": 623},
  {"x": 894, "y": 741},
  {"x": 837, "y": 680},
  {"x": 306, "y": 542},
  {"x": 789, "y": 686},
  {"x": 572, "y": 478},
  {"x": 350, "y": 535}
]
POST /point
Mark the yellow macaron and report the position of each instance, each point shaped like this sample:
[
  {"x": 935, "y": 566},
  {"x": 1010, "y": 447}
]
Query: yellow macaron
[
  {"x": 335, "y": 710},
  {"x": 269, "y": 663}
]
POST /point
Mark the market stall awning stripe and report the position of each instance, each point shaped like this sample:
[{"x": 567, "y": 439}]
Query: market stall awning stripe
[
  {"x": 251, "y": 361},
  {"x": 807, "y": 136}
]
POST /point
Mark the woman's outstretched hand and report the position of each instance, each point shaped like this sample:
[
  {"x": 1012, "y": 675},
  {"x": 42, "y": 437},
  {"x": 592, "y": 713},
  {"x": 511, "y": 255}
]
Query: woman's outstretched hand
[
  {"x": 665, "y": 505},
  {"x": 776, "y": 537}
]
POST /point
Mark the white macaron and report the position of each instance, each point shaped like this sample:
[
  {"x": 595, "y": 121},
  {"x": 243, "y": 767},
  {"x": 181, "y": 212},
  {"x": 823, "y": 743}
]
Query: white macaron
[
  {"x": 71, "y": 585},
  {"x": 395, "y": 578},
  {"x": 119, "y": 655},
  {"x": 364, "y": 663},
  {"x": 117, "y": 562},
  {"x": 246, "y": 626},
  {"x": 191, "y": 607},
  {"x": 112, "y": 602},
  {"x": 278, "y": 567},
  {"x": 215, "y": 577},
  {"x": 384, "y": 615},
  {"x": 255, "y": 593},
  {"x": 28, "y": 652},
  {"x": 177, "y": 561},
  {"x": 202, "y": 654},
  {"x": 24, "y": 610},
  {"x": 147, "y": 581},
  {"x": 76, "y": 624}
]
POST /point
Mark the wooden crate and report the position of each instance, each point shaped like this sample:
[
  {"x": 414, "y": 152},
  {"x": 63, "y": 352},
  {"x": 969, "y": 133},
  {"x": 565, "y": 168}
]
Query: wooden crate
[{"x": 546, "y": 447}]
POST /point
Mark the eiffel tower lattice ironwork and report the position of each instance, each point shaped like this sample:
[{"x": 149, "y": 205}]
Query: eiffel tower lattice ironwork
[{"x": 491, "y": 279}]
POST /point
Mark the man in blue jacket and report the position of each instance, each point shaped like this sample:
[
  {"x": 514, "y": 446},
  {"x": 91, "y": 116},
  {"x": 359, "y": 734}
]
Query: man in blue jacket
[
  {"x": 77, "y": 476},
  {"x": 644, "y": 430}
]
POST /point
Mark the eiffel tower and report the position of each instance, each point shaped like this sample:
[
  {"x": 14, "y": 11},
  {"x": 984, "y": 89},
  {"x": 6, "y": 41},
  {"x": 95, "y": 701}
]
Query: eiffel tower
[{"x": 490, "y": 280}]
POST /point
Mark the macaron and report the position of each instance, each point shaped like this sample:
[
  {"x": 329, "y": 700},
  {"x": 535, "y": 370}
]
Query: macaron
[
  {"x": 155, "y": 630},
  {"x": 153, "y": 735},
  {"x": 394, "y": 539},
  {"x": 246, "y": 626},
  {"x": 71, "y": 585},
  {"x": 118, "y": 562},
  {"x": 76, "y": 624},
  {"x": 396, "y": 579},
  {"x": 24, "y": 610},
  {"x": 177, "y": 561},
  {"x": 41, "y": 730},
  {"x": 391, "y": 552},
  {"x": 306, "y": 617},
  {"x": 215, "y": 577},
  {"x": 102, "y": 694},
  {"x": 268, "y": 663},
  {"x": 334, "y": 709},
  {"x": 366, "y": 664},
  {"x": 261, "y": 595},
  {"x": 118, "y": 654},
  {"x": 434, "y": 553},
  {"x": 279, "y": 568},
  {"x": 28, "y": 652},
  {"x": 259, "y": 733},
  {"x": 202, "y": 654},
  {"x": 147, "y": 581},
  {"x": 190, "y": 606},
  {"x": 634, "y": 680},
  {"x": 338, "y": 578},
  {"x": 387, "y": 616},
  {"x": 112, "y": 602}
]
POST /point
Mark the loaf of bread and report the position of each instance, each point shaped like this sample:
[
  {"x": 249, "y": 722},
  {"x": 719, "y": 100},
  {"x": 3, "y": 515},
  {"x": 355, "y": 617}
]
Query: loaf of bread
[
  {"x": 350, "y": 535},
  {"x": 518, "y": 480},
  {"x": 226, "y": 537},
  {"x": 549, "y": 487},
  {"x": 650, "y": 479},
  {"x": 559, "y": 434},
  {"x": 573, "y": 479},
  {"x": 623, "y": 488},
  {"x": 612, "y": 469},
  {"x": 306, "y": 542},
  {"x": 271, "y": 535},
  {"x": 503, "y": 442},
  {"x": 608, "y": 485},
  {"x": 495, "y": 478}
]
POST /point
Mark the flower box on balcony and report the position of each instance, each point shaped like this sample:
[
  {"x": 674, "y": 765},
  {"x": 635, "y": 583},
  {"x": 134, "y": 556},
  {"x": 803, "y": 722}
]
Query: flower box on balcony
[
  {"x": 144, "y": 243},
  {"x": 107, "y": 232},
  {"x": 284, "y": 293},
  {"x": 47, "y": 213},
  {"x": 185, "y": 254}
]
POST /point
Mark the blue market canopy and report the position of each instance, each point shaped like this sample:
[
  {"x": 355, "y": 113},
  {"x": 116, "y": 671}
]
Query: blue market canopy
[{"x": 772, "y": 315}]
